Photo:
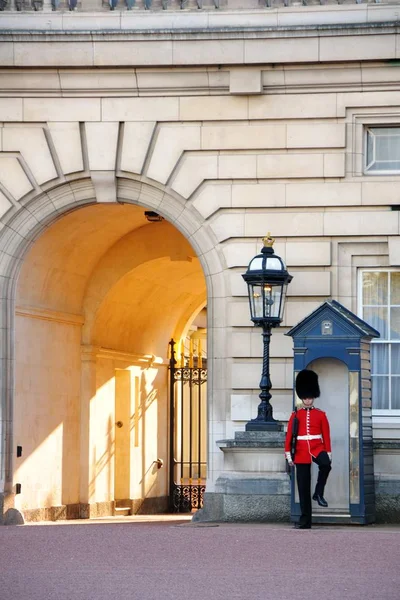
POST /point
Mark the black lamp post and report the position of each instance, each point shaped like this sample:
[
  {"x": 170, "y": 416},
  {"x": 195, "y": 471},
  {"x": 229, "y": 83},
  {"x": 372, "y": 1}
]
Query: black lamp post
[{"x": 267, "y": 280}]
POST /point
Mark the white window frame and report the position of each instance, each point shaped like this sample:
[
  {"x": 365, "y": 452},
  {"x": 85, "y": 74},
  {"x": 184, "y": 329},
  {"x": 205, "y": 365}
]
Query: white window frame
[
  {"x": 357, "y": 120},
  {"x": 395, "y": 413},
  {"x": 367, "y": 166}
]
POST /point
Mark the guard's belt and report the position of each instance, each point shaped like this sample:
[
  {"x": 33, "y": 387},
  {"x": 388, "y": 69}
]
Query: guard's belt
[{"x": 309, "y": 437}]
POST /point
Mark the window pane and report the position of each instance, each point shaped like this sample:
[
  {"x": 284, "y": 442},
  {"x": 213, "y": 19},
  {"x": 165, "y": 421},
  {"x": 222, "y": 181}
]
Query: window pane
[
  {"x": 380, "y": 392},
  {"x": 392, "y": 131},
  {"x": 395, "y": 361},
  {"x": 375, "y": 288},
  {"x": 387, "y": 148},
  {"x": 395, "y": 323},
  {"x": 380, "y": 359},
  {"x": 386, "y": 165},
  {"x": 382, "y": 148},
  {"x": 395, "y": 288},
  {"x": 255, "y": 292},
  {"x": 370, "y": 148},
  {"x": 272, "y": 296},
  {"x": 395, "y": 393},
  {"x": 377, "y": 318}
]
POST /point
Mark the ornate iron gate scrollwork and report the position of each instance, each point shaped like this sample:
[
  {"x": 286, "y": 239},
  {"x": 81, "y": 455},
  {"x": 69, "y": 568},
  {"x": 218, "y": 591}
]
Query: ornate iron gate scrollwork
[{"x": 188, "y": 431}]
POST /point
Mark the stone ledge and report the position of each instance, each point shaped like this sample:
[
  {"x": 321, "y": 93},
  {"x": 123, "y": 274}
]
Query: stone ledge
[
  {"x": 188, "y": 45},
  {"x": 224, "y": 22},
  {"x": 386, "y": 444},
  {"x": 206, "y": 20},
  {"x": 260, "y": 436},
  {"x": 193, "y": 34},
  {"x": 254, "y": 439},
  {"x": 198, "y": 48},
  {"x": 247, "y": 444},
  {"x": 276, "y": 484}
]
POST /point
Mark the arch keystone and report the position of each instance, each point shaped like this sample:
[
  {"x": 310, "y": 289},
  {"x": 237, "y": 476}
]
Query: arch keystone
[{"x": 105, "y": 187}]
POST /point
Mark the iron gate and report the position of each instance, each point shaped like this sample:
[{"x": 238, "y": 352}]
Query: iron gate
[{"x": 188, "y": 430}]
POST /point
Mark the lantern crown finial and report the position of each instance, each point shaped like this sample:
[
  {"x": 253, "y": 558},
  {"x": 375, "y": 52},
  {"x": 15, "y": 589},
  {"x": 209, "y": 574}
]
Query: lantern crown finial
[{"x": 268, "y": 240}]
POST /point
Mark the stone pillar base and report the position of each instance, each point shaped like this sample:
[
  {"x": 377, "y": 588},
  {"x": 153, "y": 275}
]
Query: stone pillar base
[
  {"x": 387, "y": 499},
  {"x": 243, "y": 498},
  {"x": 254, "y": 485}
]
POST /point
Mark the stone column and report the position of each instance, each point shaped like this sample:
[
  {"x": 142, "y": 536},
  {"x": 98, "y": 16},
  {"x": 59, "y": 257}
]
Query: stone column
[
  {"x": 8, "y": 514},
  {"x": 5, "y": 399},
  {"x": 88, "y": 392}
]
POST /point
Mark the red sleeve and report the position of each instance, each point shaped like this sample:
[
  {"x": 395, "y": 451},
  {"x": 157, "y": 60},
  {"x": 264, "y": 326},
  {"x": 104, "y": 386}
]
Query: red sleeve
[
  {"x": 289, "y": 434},
  {"x": 326, "y": 432}
]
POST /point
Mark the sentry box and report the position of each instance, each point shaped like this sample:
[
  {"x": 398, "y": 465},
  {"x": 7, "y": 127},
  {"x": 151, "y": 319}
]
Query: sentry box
[{"x": 335, "y": 343}]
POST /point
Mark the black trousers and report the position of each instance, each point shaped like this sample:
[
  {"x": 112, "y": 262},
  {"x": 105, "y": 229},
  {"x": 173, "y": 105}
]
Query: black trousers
[{"x": 303, "y": 475}]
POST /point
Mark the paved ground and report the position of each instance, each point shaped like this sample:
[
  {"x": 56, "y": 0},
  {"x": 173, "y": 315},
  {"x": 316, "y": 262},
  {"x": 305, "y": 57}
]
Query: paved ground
[{"x": 140, "y": 558}]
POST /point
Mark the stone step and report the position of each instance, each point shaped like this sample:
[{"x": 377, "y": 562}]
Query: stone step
[{"x": 122, "y": 511}]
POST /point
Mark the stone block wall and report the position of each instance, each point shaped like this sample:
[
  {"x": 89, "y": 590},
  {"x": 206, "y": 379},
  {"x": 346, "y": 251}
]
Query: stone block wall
[{"x": 167, "y": 122}]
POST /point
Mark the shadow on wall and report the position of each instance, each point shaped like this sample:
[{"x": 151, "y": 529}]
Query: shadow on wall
[
  {"x": 147, "y": 400},
  {"x": 99, "y": 464}
]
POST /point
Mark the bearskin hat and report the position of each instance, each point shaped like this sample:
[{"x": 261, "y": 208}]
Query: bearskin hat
[{"x": 307, "y": 384}]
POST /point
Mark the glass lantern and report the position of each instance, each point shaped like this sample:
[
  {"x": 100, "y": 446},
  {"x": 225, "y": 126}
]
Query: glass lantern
[{"x": 267, "y": 280}]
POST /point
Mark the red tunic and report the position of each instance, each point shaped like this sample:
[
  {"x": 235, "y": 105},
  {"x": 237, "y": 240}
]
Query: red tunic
[{"x": 312, "y": 422}]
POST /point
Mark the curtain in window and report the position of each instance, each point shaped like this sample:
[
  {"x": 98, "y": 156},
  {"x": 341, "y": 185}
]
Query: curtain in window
[
  {"x": 381, "y": 309},
  {"x": 395, "y": 370},
  {"x": 375, "y": 301},
  {"x": 380, "y": 393}
]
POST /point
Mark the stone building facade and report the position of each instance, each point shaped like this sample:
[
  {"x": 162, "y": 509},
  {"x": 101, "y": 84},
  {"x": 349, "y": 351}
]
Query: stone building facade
[{"x": 227, "y": 123}]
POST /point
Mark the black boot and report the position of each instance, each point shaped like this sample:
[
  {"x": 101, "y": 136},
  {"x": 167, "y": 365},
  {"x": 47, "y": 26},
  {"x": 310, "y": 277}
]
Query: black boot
[
  {"x": 298, "y": 526},
  {"x": 321, "y": 500}
]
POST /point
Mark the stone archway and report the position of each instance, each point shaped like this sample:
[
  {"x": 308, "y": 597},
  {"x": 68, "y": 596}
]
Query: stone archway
[{"x": 17, "y": 241}]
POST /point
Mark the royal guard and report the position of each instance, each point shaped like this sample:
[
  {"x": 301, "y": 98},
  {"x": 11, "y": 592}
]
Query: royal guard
[{"x": 308, "y": 440}]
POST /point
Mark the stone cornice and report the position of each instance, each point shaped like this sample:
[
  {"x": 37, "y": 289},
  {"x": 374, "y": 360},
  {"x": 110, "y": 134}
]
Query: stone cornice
[
  {"x": 304, "y": 40},
  {"x": 377, "y": 76},
  {"x": 206, "y": 22},
  {"x": 65, "y": 35}
]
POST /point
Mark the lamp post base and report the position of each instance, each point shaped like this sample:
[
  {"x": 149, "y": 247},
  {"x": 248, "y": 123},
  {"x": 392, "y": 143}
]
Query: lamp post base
[{"x": 258, "y": 425}]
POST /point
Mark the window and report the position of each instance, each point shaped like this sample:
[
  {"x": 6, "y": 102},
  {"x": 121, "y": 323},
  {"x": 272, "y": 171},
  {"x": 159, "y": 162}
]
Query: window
[
  {"x": 381, "y": 309},
  {"x": 382, "y": 150}
]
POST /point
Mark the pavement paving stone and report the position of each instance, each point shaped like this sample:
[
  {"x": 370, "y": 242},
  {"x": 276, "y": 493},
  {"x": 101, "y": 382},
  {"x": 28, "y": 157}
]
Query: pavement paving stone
[{"x": 168, "y": 557}]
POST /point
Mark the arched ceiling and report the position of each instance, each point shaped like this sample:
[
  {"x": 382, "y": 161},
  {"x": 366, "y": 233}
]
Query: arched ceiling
[
  {"x": 132, "y": 281},
  {"x": 146, "y": 300},
  {"x": 56, "y": 269}
]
